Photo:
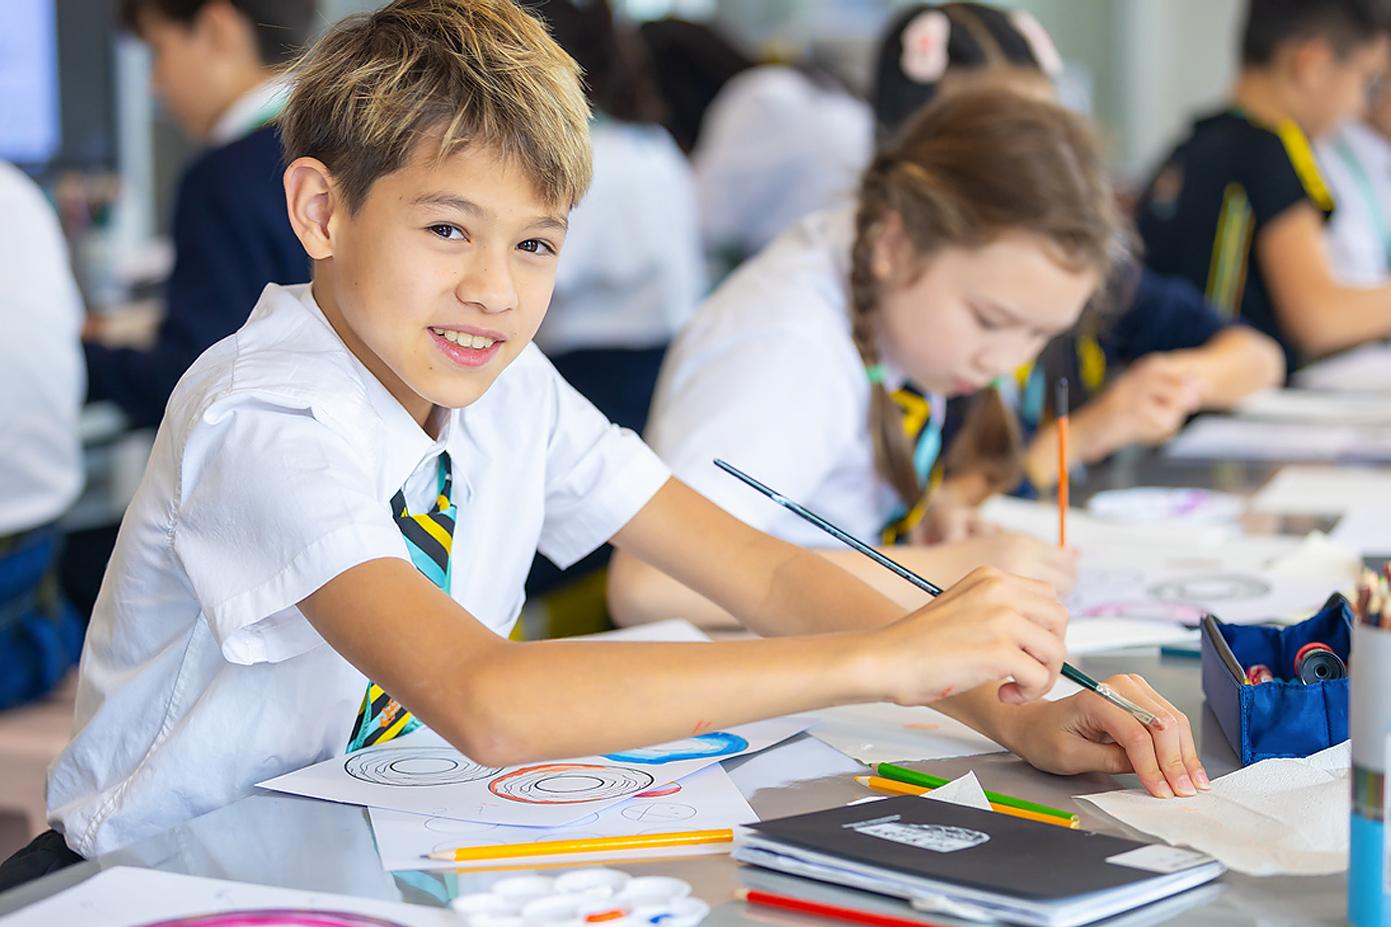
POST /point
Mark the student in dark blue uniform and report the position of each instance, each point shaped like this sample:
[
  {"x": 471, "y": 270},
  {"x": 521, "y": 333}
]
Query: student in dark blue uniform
[
  {"x": 1136, "y": 373},
  {"x": 1238, "y": 207},
  {"x": 215, "y": 69}
]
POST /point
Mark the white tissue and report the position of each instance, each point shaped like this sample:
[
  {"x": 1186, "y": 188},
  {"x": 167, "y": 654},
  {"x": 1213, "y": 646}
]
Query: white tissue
[{"x": 1282, "y": 816}]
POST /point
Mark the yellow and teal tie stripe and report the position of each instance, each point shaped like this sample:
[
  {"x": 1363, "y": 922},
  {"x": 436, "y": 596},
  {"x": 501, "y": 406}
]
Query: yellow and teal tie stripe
[
  {"x": 429, "y": 539},
  {"x": 925, "y": 434}
]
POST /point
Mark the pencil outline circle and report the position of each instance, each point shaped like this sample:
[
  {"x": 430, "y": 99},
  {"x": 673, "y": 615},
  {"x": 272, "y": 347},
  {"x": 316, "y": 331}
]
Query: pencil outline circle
[{"x": 415, "y": 767}]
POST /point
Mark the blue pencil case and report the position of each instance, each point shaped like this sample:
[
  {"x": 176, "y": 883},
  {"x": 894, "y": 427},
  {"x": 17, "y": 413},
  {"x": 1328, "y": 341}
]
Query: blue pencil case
[{"x": 1282, "y": 717}]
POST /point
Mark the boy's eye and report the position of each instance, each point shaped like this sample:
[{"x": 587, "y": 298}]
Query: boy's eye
[
  {"x": 448, "y": 232},
  {"x": 537, "y": 246},
  {"x": 987, "y": 324}
]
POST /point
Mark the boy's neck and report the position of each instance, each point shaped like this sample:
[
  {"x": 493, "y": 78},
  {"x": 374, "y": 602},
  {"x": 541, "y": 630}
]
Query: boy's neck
[
  {"x": 1260, "y": 95},
  {"x": 416, "y": 406},
  {"x": 247, "y": 82}
]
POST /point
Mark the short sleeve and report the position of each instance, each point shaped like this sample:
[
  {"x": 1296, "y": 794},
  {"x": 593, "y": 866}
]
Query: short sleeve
[
  {"x": 598, "y": 476},
  {"x": 773, "y": 402},
  {"x": 272, "y": 504},
  {"x": 1272, "y": 178},
  {"x": 1168, "y": 313}
]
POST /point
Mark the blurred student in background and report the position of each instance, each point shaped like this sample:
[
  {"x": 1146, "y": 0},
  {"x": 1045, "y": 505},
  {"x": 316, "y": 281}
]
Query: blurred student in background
[
  {"x": 1239, "y": 207},
  {"x": 1137, "y": 374},
  {"x": 41, "y": 379},
  {"x": 1356, "y": 163},
  {"x": 217, "y": 68},
  {"x": 769, "y": 143}
]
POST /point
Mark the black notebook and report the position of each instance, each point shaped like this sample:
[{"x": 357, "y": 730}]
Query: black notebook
[{"x": 1014, "y": 870}]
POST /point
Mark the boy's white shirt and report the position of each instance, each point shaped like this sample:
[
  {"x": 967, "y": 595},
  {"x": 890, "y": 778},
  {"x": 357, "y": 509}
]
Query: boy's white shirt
[
  {"x": 766, "y": 376},
  {"x": 250, "y": 111},
  {"x": 1357, "y": 251},
  {"x": 42, "y": 375},
  {"x": 270, "y": 475}
]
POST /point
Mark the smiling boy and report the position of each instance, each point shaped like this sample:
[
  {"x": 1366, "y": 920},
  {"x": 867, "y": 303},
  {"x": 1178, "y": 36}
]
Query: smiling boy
[{"x": 345, "y": 496}]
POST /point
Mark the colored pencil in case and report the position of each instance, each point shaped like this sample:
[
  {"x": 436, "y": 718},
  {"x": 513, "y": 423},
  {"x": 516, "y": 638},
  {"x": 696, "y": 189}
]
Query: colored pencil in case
[
  {"x": 894, "y": 787},
  {"x": 834, "y": 912},
  {"x": 1060, "y": 408},
  {"x": 927, "y": 780},
  {"x": 590, "y": 845},
  {"x": 1145, "y": 717}
]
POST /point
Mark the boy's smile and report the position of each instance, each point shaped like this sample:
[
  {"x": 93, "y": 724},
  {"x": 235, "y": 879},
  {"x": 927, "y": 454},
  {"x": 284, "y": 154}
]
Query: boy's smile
[{"x": 441, "y": 276}]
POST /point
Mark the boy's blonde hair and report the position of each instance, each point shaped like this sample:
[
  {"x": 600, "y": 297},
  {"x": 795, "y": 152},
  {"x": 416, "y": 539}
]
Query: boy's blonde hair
[{"x": 456, "y": 73}]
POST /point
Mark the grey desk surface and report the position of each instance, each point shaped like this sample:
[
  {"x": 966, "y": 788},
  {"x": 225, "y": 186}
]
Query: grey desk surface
[{"x": 301, "y": 843}]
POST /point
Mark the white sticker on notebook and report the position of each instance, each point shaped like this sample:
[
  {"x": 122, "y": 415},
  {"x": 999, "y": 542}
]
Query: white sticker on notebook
[{"x": 1160, "y": 858}]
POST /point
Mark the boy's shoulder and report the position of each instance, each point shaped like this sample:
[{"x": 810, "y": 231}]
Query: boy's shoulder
[
  {"x": 1229, "y": 136},
  {"x": 286, "y": 357}
]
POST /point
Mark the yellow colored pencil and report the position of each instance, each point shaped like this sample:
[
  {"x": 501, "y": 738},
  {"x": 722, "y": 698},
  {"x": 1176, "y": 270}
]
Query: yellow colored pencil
[
  {"x": 880, "y": 784},
  {"x": 590, "y": 845}
]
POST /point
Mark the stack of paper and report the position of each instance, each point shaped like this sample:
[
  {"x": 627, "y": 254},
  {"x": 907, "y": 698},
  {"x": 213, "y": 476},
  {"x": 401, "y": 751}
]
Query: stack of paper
[{"x": 1362, "y": 370}]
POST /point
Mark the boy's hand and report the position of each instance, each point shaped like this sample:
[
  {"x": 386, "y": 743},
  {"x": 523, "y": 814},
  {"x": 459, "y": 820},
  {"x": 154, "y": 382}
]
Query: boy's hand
[
  {"x": 1086, "y": 733},
  {"x": 988, "y": 628},
  {"x": 1145, "y": 405}
]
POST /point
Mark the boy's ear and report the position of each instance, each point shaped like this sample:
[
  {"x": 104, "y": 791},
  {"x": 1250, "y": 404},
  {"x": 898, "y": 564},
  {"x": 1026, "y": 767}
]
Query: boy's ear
[
  {"x": 225, "y": 29},
  {"x": 310, "y": 199}
]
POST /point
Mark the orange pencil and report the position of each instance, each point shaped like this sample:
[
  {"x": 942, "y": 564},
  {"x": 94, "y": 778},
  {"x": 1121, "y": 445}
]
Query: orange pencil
[
  {"x": 894, "y": 787},
  {"x": 585, "y": 845},
  {"x": 1060, "y": 412}
]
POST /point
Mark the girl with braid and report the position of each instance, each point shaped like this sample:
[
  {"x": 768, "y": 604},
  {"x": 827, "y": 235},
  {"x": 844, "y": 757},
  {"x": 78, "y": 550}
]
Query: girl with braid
[{"x": 823, "y": 366}]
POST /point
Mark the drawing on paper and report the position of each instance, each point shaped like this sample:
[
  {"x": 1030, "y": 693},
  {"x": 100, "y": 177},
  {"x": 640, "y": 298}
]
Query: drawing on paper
[
  {"x": 569, "y": 783},
  {"x": 658, "y": 811},
  {"x": 705, "y": 746},
  {"x": 1210, "y": 587},
  {"x": 1147, "y": 610},
  {"x": 415, "y": 766},
  {"x": 277, "y": 917},
  {"x": 661, "y": 791}
]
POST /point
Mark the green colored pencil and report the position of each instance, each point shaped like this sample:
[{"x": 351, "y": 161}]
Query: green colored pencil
[{"x": 927, "y": 780}]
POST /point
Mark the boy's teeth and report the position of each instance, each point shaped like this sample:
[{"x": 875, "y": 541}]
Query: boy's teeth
[{"x": 463, "y": 339}]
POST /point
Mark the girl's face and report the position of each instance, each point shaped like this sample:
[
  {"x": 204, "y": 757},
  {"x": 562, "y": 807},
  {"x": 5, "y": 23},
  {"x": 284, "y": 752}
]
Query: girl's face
[{"x": 965, "y": 316}]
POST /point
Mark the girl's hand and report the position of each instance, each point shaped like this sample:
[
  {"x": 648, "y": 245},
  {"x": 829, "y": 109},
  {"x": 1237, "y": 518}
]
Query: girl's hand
[
  {"x": 1146, "y": 404},
  {"x": 1011, "y": 552},
  {"x": 1086, "y": 733},
  {"x": 988, "y": 628}
]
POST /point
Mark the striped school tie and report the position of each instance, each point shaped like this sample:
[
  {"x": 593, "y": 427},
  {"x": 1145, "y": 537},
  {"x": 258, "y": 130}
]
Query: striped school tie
[
  {"x": 925, "y": 434},
  {"x": 429, "y": 538}
]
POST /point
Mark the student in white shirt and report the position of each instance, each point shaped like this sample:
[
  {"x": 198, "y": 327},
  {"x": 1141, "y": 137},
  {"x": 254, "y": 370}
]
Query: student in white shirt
[
  {"x": 615, "y": 309},
  {"x": 769, "y": 143},
  {"x": 1356, "y": 165},
  {"x": 822, "y": 366},
  {"x": 291, "y": 540},
  {"x": 41, "y": 380}
]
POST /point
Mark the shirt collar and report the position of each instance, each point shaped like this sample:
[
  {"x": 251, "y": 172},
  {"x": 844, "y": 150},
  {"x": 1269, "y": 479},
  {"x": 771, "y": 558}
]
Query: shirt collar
[
  {"x": 406, "y": 446},
  {"x": 251, "y": 110}
]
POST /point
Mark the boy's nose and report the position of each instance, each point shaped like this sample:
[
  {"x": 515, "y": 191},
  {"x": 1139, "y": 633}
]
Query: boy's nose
[{"x": 489, "y": 286}]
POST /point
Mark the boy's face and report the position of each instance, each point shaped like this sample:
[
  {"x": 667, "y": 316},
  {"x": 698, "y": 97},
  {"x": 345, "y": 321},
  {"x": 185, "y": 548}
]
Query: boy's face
[
  {"x": 443, "y": 275},
  {"x": 1332, "y": 87}
]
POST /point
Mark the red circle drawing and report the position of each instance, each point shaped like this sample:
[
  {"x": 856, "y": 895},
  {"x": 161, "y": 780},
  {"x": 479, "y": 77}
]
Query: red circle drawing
[{"x": 661, "y": 791}]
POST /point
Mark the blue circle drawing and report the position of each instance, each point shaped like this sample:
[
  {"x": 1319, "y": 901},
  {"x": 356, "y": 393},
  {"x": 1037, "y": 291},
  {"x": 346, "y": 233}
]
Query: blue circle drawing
[{"x": 692, "y": 748}]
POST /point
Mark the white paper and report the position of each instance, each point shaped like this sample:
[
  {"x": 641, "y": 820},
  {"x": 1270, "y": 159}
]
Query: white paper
[
  {"x": 1086, "y": 532},
  {"x": 1361, "y": 370},
  {"x": 886, "y": 733},
  {"x": 706, "y": 800},
  {"x": 1302, "y": 405},
  {"x": 673, "y": 630},
  {"x": 126, "y": 897},
  {"x": 1367, "y": 531},
  {"x": 1323, "y": 490},
  {"x": 421, "y": 774},
  {"x": 1217, "y": 437},
  {"x": 1281, "y": 816},
  {"x": 964, "y": 790},
  {"x": 1146, "y": 592},
  {"x": 1148, "y": 505},
  {"x": 800, "y": 759}
]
